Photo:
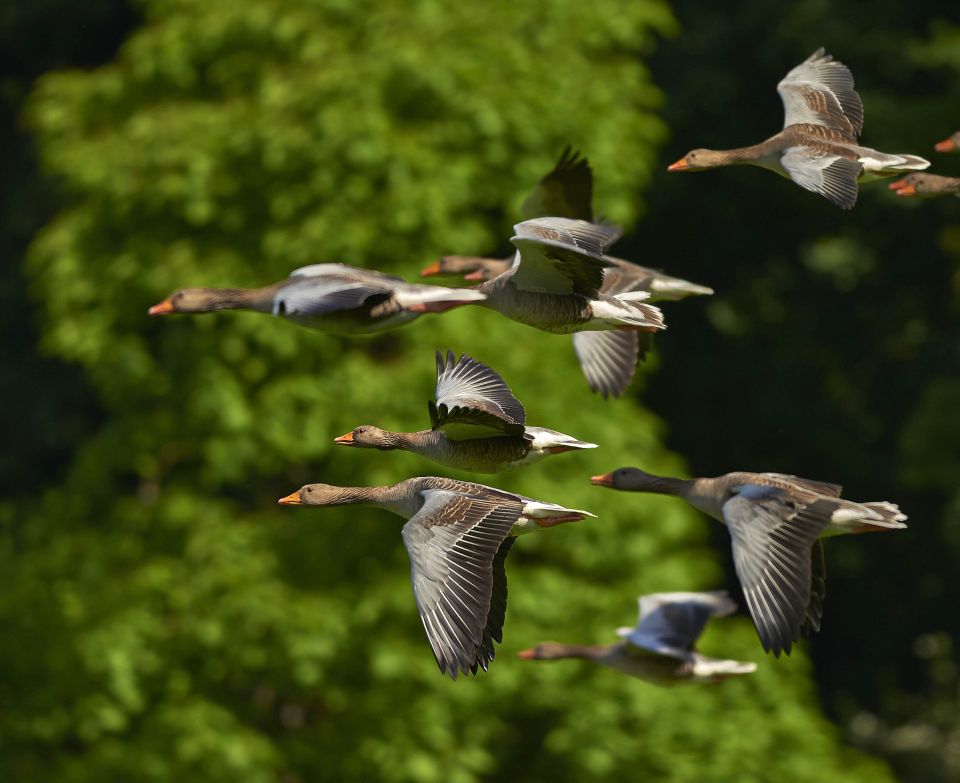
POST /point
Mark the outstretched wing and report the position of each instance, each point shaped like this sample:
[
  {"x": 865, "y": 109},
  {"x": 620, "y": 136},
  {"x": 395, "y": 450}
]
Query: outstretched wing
[
  {"x": 820, "y": 91},
  {"x": 773, "y": 534},
  {"x": 561, "y": 255},
  {"x": 566, "y": 191},
  {"x": 832, "y": 176},
  {"x": 453, "y": 542},
  {"x": 473, "y": 401},
  {"x": 671, "y": 623},
  {"x": 316, "y": 296},
  {"x": 608, "y": 359}
]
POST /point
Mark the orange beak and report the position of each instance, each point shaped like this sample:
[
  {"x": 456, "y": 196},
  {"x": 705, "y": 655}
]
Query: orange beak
[
  {"x": 527, "y": 655},
  {"x": 603, "y": 480},
  {"x": 293, "y": 499},
  {"x": 947, "y": 145},
  {"x": 475, "y": 275},
  {"x": 432, "y": 269},
  {"x": 345, "y": 440},
  {"x": 902, "y": 188},
  {"x": 680, "y": 165},
  {"x": 164, "y": 307}
]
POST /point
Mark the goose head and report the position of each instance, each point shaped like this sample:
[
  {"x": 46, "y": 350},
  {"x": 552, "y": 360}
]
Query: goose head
[
  {"x": 951, "y": 144},
  {"x": 700, "y": 160},
  {"x": 187, "y": 300},
  {"x": 313, "y": 495},
  {"x": 628, "y": 479},
  {"x": 366, "y": 436}
]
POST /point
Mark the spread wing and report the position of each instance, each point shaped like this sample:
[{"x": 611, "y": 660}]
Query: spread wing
[
  {"x": 832, "y": 176},
  {"x": 561, "y": 255},
  {"x": 454, "y": 541},
  {"x": 473, "y": 401},
  {"x": 671, "y": 623},
  {"x": 566, "y": 191},
  {"x": 820, "y": 91},
  {"x": 607, "y": 359},
  {"x": 315, "y": 296},
  {"x": 773, "y": 534}
]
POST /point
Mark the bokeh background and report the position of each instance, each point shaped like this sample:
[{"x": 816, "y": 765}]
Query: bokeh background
[{"x": 163, "y": 619}]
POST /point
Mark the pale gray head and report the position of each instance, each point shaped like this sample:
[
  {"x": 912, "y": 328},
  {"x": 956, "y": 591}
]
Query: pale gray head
[
  {"x": 195, "y": 300},
  {"x": 699, "y": 160},
  {"x": 366, "y": 436},
  {"x": 313, "y": 495}
]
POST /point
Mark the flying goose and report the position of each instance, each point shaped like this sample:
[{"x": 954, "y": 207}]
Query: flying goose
[
  {"x": 330, "y": 297},
  {"x": 775, "y": 522},
  {"x": 661, "y": 647},
  {"x": 476, "y": 424},
  {"x": 817, "y": 147},
  {"x": 458, "y": 535},
  {"x": 606, "y": 358}
]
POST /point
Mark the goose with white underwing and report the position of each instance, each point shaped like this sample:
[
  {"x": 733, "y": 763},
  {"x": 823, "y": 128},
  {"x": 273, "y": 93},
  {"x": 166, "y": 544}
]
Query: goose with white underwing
[
  {"x": 775, "y": 523},
  {"x": 661, "y": 648},
  {"x": 457, "y": 535},
  {"x": 477, "y": 424},
  {"x": 329, "y": 297},
  {"x": 818, "y": 147}
]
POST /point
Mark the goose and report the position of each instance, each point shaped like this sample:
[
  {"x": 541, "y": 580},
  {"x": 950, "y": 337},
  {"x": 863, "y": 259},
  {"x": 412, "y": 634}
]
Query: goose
[
  {"x": 330, "y": 297},
  {"x": 477, "y": 424},
  {"x": 951, "y": 144},
  {"x": 817, "y": 147},
  {"x": 606, "y": 358},
  {"x": 661, "y": 647},
  {"x": 458, "y": 535},
  {"x": 554, "y": 285},
  {"x": 926, "y": 185},
  {"x": 775, "y": 523}
]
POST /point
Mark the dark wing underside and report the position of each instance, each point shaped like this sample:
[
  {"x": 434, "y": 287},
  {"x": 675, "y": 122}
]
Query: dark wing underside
[{"x": 566, "y": 191}]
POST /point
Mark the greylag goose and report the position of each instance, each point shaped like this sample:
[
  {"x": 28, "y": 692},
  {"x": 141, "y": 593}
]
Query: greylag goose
[
  {"x": 554, "y": 285},
  {"x": 606, "y": 358},
  {"x": 951, "y": 144},
  {"x": 661, "y": 648},
  {"x": 817, "y": 147},
  {"x": 775, "y": 522},
  {"x": 458, "y": 535},
  {"x": 330, "y": 297},
  {"x": 928, "y": 185},
  {"x": 476, "y": 424}
]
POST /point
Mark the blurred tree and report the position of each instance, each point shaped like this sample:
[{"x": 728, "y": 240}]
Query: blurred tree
[{"x": 163, "y": 619}]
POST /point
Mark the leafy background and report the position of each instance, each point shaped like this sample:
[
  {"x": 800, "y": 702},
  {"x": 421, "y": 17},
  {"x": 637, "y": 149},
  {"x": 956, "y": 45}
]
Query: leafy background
[{"x": 164, "y": 619}]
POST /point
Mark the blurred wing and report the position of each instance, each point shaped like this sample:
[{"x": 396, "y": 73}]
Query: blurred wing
[
  {"x": 346, "y": 273},
  {"x": 608, "y": 359},
  {"x": 818, "y": 590},
  {"x": 671, "y": 623},
  {"x": 453, "y": 541},
  {"x": 566, "y": 191},
  {"x": 473, "y": 401},
  {"x": 772, "y": 535},
  {"x": 315, "y": 296},
  {"x": 561, "y": 256},
  {"x": 820, "y": 91},
  {"x": 832, "y": 176}
]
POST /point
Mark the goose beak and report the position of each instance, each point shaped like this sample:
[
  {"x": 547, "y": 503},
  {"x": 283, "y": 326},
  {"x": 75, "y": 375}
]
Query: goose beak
[
  {"x": 603, "y": 480},
  {"x": 162, "y": 308},
  {"x": 293, "y": 499},
  {"x": 345, "y": 440},
  {"x": 475, "y": 275},
  {"x": 680, "y": 165},
  {"x": 430, "y": 270},
  {"x": 902, "y": 188},
  {"x": 947, "y": 145},
  {"x": 527, "y": 655}
]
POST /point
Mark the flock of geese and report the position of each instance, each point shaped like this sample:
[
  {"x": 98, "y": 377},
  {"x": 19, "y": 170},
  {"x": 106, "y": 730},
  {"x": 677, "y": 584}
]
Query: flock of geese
[{"x": 561, "y": 280}]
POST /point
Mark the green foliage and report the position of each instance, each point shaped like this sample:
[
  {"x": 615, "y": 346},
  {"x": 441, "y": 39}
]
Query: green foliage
[{"x": 180, "y": 625}]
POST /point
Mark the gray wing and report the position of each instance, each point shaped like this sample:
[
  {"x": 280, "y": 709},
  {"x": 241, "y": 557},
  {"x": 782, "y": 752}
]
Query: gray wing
[
  {"x": 315, "y": 296},
  {"x": 561, "y": 256},
  {"x": 453, "y": 542},
  {"x": 832, "y": 176},
  {"x": 566, "y": 191},
  {"x": 608, "y": 359},
  {"x": 820, "y": 91},
  {"x": 818, "y": 590},
  {"x": 473, "y": 401},
  {"x": 347, "y": 273},
  {"x": 820, "y": 487},
  {"x": 671, "y": 623},
  {"x": 773, "y": 535}
]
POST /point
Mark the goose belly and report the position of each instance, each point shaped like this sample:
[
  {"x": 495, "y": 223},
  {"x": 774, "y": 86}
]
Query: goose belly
[
  {"x": 483, "y": 455},
  {"x": 557, "y": 314}
]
